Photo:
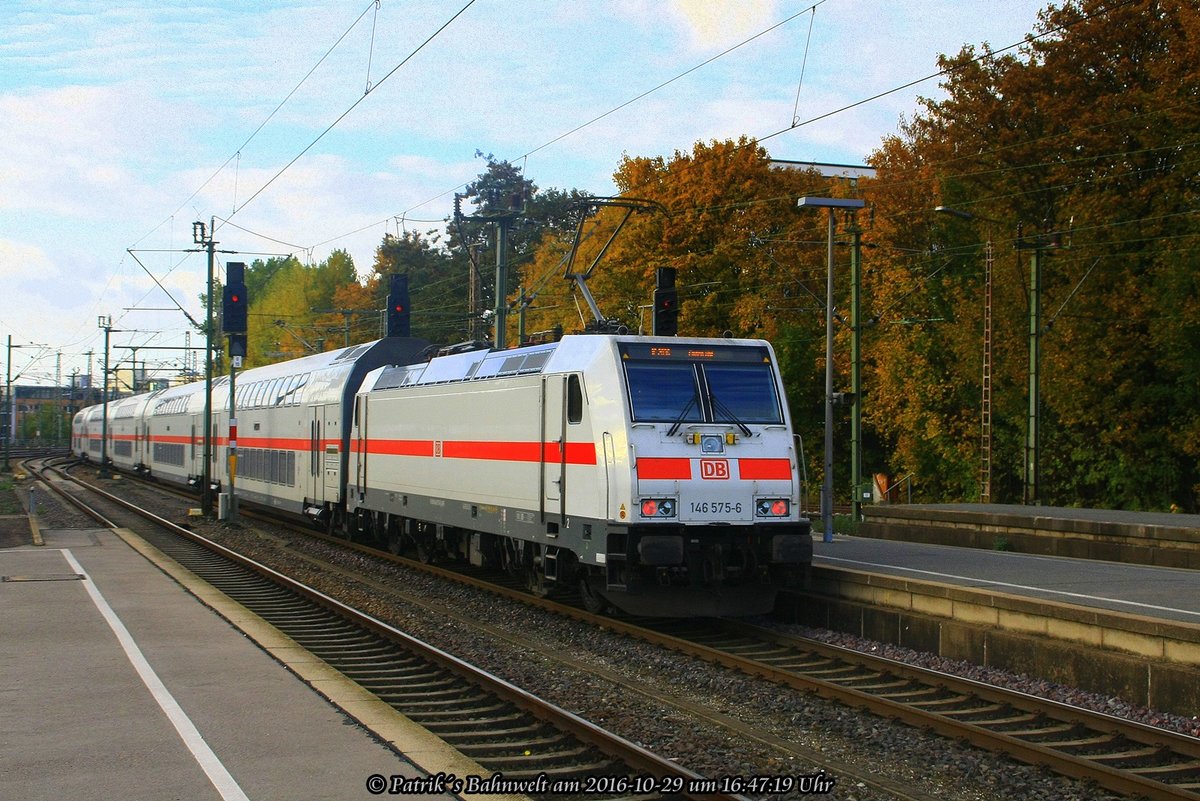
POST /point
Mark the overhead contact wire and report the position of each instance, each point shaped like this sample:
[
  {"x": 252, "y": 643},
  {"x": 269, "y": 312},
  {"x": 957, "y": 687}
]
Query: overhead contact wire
[{"x": 354, "y": 105}]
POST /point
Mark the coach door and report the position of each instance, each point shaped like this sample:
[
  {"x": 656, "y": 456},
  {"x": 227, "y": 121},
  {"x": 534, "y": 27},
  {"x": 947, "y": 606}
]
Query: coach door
[
  {"x": 331, "y": 451},
  {"x": 553, "y": 450},
  {"x": 316, "y": 478}
]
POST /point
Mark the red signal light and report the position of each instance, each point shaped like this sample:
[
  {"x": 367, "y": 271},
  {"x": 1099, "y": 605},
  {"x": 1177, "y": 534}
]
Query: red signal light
[
  {"x": 779, "y": 508},
  {"x": 649, "y": 508}
]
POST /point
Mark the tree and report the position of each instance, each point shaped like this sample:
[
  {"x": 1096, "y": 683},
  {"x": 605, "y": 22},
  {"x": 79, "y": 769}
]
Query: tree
[
  {"x": 502, "y": 195},
  {"x": 1095, "y": 122},
  {"x": 437, "y": 287}
]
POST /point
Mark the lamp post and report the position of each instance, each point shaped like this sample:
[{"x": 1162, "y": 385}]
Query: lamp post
[
  {"x": 1038, "y": 244},
  {"x": 831, "y": 204},
  {"x": 985, "y": 401}
]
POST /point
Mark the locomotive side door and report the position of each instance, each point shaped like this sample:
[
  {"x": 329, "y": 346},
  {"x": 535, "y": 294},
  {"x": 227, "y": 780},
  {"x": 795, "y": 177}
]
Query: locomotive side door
[{"x": 553, "y": 446}]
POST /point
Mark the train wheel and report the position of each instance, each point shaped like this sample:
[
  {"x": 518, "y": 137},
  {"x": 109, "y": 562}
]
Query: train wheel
[
  {"x": 535, "y": 582},
  {"x": 425, "y": 539},
  {"x": 592, "y": 601}
]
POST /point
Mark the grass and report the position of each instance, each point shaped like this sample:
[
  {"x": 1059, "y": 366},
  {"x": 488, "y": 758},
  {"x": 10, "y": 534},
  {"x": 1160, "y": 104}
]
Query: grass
[{"x": 9, "y": 505}]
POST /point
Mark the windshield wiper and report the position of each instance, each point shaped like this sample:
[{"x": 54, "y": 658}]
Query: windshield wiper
[
  {"x": 679, "y": 420},
  {"x": 719, "y": 406}
]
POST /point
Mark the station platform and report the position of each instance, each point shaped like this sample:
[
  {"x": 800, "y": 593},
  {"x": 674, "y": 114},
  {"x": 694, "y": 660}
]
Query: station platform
[
  {"x": 115, "y": 682},
  {"x": 1149, "y": 538},
  {"x": 1159, "y": 592},
  {"x": 1125, "y": 630}
]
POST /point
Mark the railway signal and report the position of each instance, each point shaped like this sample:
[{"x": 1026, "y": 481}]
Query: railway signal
[
  {"x": 236, "y": 299},
  {"x": 666, "y": 304},
  {"x": 398, "y": 322}
]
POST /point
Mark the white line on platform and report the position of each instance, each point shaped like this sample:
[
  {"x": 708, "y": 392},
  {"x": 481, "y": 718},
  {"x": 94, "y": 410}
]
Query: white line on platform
[
  {"x": 1077, "y": 595},
  {"x": 217, "y": 774}
]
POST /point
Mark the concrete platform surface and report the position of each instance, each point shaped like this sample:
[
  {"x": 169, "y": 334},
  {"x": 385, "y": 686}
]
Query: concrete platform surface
[
  {"x": 115, "y": 683},
  {"x": 1158, "y": 592}
]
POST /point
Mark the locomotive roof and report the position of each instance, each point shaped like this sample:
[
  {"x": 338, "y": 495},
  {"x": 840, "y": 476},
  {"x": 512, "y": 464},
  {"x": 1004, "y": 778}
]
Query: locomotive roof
[{"x": 572, "y": 352}]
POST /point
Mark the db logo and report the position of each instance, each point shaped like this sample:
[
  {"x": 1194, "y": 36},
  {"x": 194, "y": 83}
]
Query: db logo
[{"x": 714, "y": 469}]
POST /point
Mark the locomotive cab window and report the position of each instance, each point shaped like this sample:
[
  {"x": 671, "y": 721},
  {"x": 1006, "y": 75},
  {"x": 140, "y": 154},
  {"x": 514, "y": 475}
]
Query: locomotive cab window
[
  {"x": 742, "y": 393},
  {"x": 574, "y": 399},
  {"x": 663, "y": 392},
  {"x": 709, "y": 384}
]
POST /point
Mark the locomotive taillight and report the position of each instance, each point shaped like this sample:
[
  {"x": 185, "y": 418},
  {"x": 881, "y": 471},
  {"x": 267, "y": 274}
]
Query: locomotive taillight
[
  {"x": 658, "y": 507},
  {"x": 772, "y": 507}
]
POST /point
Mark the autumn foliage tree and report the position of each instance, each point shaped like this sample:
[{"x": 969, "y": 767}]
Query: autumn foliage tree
[{"x": 1091, "y": 133}]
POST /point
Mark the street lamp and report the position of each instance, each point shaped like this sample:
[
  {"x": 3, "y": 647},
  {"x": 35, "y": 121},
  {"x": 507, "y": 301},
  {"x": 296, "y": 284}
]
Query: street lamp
[
  {"x": 831, "y": 204},
  {"x": 985, "y": 402},
  {"x": 1038, "y": 244}
]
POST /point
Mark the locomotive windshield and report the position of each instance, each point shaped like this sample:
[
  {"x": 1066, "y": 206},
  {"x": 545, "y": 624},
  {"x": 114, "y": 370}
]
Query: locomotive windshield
[{"x": 711, "y": 384}]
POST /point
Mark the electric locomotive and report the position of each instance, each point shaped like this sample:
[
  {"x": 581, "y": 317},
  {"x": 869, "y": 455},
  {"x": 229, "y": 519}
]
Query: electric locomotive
[{"x": 655, "y": 474}]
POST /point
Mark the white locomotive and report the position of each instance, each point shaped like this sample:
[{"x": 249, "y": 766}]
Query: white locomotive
[{"x": 656, "y": 474}]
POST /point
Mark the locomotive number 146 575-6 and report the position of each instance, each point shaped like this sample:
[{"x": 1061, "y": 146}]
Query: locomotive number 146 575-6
[{"x": 715, "y": 508}]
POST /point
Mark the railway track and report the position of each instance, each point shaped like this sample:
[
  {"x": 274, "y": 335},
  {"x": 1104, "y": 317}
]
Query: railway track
[
  {"x": 1120, "y": 755},
  {"x": 1128, "y": 758},
  {"x": 544, "y": 749}
]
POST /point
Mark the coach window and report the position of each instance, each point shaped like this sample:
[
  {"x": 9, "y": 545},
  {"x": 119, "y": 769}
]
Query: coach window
[{"x": 574, "y": 399}]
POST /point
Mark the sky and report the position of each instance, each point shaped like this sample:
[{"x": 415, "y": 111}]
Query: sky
[{"x": 302, "y": 127}]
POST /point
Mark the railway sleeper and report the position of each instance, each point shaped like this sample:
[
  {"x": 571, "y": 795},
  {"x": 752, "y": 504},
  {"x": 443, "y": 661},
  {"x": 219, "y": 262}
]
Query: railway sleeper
[
  {"x": 455, "y": 705},
  {"x": 342, "y": 648},
  {"x": 346, "y": 637},
  {"x": 965, "y": 703},
  {"x": 1170, "y": 774},
  {"x": 874, "y": 681},
  {"x": 457, "y": 726},
  {"x": 498, "y": 747},
  {"x": 977, "y": 710},
  {"x": 596, "y": 767},
  {"x": 362, "y": 657},
  {"x": 408, "y": 667},
  {"x": 397, "y": 685},
  {"x": 481, "y": 707},
  {"x": 916, "y": 691},
  {"x": 1044, "y": 732},
  {"x": 1092, "y": 741},
  {"x": 566, "y": 757},
  {"x": 759, "y": 653},
  {"x": 314, "y": 621},
  {"x": 844, "y": 672},
  {"x": 1134, "y": 757},
  {"x": 443, "y": 693},
  {"x": 436, "y": 686},
  {"x": 532, "y": 734}
]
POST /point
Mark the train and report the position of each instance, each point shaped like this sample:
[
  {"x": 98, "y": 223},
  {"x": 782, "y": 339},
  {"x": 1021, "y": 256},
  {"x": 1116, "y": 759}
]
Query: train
[{"x": 653, "y": 475}]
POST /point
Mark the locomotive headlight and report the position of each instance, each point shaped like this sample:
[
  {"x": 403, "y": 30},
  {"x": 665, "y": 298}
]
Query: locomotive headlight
[
  {"x": 772, "y": 507},
  {"x": 712, "y": 443},
  {"x": 658, "y": 507}
]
